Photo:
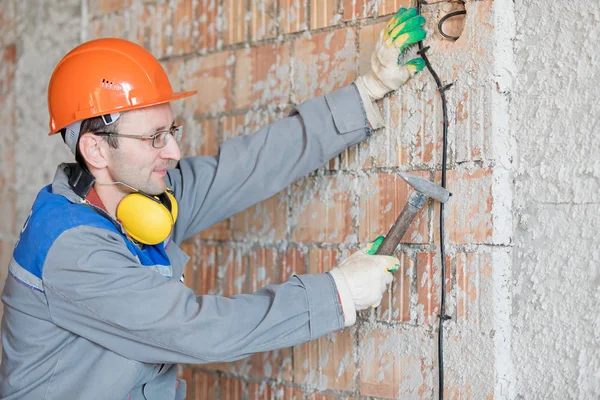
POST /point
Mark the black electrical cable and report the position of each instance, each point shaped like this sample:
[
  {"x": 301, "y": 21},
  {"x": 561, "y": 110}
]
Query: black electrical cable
[
  {"x": 442, "y": 315},
  {"x": 444, "y": 19}
]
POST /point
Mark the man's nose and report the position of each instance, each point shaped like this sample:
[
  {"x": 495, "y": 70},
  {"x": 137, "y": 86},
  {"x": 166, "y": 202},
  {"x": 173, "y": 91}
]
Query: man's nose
[{"x": 171, "y": 151}]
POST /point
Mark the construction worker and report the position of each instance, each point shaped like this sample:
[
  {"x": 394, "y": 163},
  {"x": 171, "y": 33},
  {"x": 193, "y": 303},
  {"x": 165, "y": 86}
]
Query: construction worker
[{"x": 95, "y": 307}]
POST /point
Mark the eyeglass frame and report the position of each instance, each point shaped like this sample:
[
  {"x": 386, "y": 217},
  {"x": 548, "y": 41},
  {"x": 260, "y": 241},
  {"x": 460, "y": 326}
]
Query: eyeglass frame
[{"x": 176, "y": 131}]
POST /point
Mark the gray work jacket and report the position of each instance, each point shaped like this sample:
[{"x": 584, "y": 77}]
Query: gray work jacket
[{"x": 90, "y": 315}]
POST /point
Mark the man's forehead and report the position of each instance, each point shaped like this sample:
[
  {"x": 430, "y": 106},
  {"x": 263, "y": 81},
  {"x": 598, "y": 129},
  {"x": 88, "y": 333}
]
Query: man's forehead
[{"x": 148, "y": 118}]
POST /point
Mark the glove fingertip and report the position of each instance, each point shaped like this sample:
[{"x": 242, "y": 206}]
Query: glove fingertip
[
  {"x": 374, "y": 245},
  {"x": 415, "y": 65}
]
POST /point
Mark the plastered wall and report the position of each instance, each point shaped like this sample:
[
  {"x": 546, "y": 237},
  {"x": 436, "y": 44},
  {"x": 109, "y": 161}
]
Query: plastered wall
[
  {"x": 556, "y": 260},
  {"x": 522, "y": 325}
]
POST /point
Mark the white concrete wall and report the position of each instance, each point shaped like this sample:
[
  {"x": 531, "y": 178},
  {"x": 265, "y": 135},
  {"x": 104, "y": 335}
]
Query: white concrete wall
[{"x": 556, "y": 262}]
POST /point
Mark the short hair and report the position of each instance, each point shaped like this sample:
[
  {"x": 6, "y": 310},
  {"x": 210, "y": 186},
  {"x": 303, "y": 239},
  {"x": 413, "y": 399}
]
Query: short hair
[{"x": 95, "y": 125}]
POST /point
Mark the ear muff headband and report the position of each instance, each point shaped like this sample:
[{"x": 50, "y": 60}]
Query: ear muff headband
[{"x": 148, "y": 219}]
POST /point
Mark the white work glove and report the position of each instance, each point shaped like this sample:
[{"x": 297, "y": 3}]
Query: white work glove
[
  {"x": 387, "y": 73},
  {"x": 362, "y": 278}
]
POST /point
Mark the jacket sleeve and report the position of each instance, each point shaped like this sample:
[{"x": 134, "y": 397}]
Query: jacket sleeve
[
  {"x": 251, "y": 168},
  {"x": 96, "y": 289}
]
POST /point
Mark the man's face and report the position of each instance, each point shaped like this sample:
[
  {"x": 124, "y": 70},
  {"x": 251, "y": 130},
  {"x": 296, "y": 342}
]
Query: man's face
[{"x": 136, "y": 163}]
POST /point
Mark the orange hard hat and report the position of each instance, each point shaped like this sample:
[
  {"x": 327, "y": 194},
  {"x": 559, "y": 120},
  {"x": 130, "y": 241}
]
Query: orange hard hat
[{"x": 106, "y": 76}]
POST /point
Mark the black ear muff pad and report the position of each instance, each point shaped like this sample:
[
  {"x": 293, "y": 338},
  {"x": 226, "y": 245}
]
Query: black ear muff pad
[
  {"x": 173, "y": 205},
  {"x": 148, "y": 220}
]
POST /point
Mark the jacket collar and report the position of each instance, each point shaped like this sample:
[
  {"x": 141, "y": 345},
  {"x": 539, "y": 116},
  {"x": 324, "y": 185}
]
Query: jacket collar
[{"x": 60, "y": 184}]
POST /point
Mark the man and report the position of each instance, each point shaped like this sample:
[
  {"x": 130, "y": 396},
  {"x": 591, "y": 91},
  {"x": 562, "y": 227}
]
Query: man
[{"x": 95, "y": 307}]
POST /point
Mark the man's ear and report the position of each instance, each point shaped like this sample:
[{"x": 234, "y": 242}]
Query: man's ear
[{"x": 92, "y": 150}]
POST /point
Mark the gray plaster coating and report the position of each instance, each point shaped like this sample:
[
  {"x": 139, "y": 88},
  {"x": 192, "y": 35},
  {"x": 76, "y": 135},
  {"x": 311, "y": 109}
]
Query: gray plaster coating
[
  {"x": 556, "y": 280},
  {"x": 46, "y": 31}
]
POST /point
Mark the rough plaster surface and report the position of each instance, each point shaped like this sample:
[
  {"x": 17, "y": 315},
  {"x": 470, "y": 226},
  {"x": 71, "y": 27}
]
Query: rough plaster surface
[
  {"x": 46, "y": 33},
  {"x": 555, "y": 111}
]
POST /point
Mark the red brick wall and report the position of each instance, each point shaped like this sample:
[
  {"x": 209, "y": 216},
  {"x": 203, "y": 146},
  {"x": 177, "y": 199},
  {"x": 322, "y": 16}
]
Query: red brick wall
[{"x": 252, "y": 61}]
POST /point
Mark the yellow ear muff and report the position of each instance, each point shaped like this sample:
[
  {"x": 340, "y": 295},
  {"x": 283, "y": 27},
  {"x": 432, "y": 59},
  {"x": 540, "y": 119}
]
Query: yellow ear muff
[{"x": 146, "y": 220}]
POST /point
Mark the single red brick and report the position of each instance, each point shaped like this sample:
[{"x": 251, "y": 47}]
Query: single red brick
[
  {"x": 205, "y": 386},
  {"x": 474, "y": 121},
  {"x": 469, "y": 212},
  {"x": 261, "y": 263},
  {"x": 293, "y": 16},
  {"x": 352, "y": 158},
  {"x": 428, "y": 286},
  {"x": 391, "y": 368},
  {"x": 262, "y": 76},
  {"x": 395, "y": 305},
  {"x": 207, "y": 263},
  {"x": 324, "y": 13},
  {"x": 204, "y": 31},
  {"x": 234, "y": 263},
  {"x": 473, "y": 282},
  {"x": 263, "y": 24},
  {"x": 221, "y": 231},
  {"x": 161, "y": 26},
  {"x": 263, "y": 221},
  {"x": 249, "y": 122},
  {"x": 324, "y": 62},
  {"x": 199, "y": 137},
  {"x": 322, "y": 260},
  {"x": 231, "y": 389},
  {"x": 326, "y": 363},
  {"x": 260, "y": 391},
  {"x": 276, "y": 364},
  {"x": 337, "y": 361},
  {"x": 358, "y": 9},
  {"x": 414, "y": 130},
  {"x": 184, "y": 21},
  {"x": 211, "y": 76},
  {"x": 322, "y": 211},
  {"x": 235, "y": 29}
]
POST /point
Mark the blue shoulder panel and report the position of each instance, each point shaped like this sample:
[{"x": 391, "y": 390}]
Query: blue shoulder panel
[{"x": 50, "y": 216}]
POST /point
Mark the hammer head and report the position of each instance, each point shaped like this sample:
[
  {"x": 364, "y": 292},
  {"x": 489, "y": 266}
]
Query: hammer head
[{"x": 429, "y": 189}]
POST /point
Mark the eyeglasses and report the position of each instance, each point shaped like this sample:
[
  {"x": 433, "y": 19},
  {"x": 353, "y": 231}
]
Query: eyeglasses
[{"x": 159, "y": 139}]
